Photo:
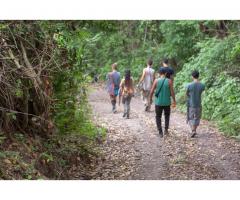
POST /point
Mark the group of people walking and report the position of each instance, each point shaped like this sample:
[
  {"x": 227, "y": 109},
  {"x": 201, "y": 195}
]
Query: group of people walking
[{"x": 161, "y": 86}]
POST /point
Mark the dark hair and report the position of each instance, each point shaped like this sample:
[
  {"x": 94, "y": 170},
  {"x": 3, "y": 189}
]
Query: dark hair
[
  {"x": 162, "y": 70},
  {"x": 165, "y": 60},
  {"x": 195, "y": 74},
  {"x": 150, "y": 62},
  {"x": 127, "y": 77}
]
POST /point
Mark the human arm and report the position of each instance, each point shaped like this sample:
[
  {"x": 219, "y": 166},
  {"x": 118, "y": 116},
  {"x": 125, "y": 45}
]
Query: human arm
[
  {"x": 154, "y": 76},
  {"x": 121, "y": 86},
  {"x": 143, "y": 76},
  {"x": 171, "y": 71},
  {"x": 120, "y": 92},
  {"x": 152, "y": 90},
  {"x": 172, "y": 92}
]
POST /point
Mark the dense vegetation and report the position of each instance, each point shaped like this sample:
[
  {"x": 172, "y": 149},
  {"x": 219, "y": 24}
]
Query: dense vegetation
[
  {"x": 43, "y": 97},
  {"x": 46, "y": 67}
]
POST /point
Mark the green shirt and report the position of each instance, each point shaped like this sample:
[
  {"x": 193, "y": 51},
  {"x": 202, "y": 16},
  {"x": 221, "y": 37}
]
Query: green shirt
[{"x": 164, "y": 97}]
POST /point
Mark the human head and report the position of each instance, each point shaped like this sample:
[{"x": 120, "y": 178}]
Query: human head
[
  {"x": 162, "y": 71},
  {"x": 127, "y": 77},
  {"x": 150, "y": 62},
  {"x": 127, "y": 74},
  {"x": 165, "y": 62},
  {"x": 114, "y": 66},
  {"x": 195, "y": 74}
]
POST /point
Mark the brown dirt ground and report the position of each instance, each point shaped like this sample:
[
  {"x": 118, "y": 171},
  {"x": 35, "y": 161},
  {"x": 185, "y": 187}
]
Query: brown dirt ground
[{"x": 133, "y": 149}]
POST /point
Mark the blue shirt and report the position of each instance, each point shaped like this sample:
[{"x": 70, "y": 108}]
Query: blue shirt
[
  {"x": 194, "y": 91},
  {"x": 113, "y": 81}
]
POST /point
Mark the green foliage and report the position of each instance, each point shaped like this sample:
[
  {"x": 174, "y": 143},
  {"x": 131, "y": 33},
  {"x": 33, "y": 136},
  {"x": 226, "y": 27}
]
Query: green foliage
[
  {"x": 84, "y": 49},
  {"x": 137, "y": 41},
  {"x": 46, "y": 156},
  {"x": 71, "y": 109},
  {"x": 204, "y": 45},
  {"x": 2, "y": 138},
  {"x": 179, "y": 39},
  {"x": 222, "y": 96},
  {"x": 20, "y": 137}
]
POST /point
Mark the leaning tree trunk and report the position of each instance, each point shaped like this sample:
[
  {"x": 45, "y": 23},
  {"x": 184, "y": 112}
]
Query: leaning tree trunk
[{"x": 27, "y": 60}]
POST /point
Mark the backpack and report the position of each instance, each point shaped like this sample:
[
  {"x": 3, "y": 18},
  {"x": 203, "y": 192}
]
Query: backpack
[{"x": 127, "y": 91}]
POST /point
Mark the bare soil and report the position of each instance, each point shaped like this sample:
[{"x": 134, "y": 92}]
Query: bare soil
[{"x": 133, "y": 149}]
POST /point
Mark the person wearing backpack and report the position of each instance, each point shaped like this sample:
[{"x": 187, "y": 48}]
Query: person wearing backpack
[
  {"x": 169, "y": 70},
  {"x": 147, "y": 79},
  {"x": 194, "y": 107},
  {"x": 113, "y": 83},
  {"x": 164, "y": 92},
  {"x": 127, "y": 92}
]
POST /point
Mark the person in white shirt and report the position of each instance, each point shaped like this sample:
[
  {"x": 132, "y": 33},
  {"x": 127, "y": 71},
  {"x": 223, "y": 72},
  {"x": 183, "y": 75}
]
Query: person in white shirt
[{"x": 147, "y": 80}]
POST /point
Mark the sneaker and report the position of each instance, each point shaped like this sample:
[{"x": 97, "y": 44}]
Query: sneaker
[
  {"x": 127, "y": 116},
  {"x": 146, "y": 108},
  {"x": 166, "y": 132},
  {"x": 124, "y": 115},
  {"x": 160, "y": 134},
  {"x": 193, "y": 134},
  {"x": 149, "y": 108}
]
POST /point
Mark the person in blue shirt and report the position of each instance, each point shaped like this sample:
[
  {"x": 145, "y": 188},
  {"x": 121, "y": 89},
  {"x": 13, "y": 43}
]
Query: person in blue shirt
[
  {"x": 194, "y": 92},
  {"x": 113, "y": 85}
]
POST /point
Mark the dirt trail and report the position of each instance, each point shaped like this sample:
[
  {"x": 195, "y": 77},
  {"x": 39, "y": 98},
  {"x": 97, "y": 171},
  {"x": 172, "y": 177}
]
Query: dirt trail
[{"x": 134, "y": 150}]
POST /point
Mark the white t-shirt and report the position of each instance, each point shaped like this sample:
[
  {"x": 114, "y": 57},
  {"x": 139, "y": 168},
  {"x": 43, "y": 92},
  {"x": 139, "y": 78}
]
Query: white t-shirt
[{"x": 148, "y": 79}]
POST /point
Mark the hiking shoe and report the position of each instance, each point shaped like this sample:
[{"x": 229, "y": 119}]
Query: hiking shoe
[
  {"x": 149, "y": 108},
  {"x": 160, "y": 134},
  {"x": 127, "y": 116},
  {"x": 124, "y": 115},
  {"x": 146, "y": 108},
  {"x": 193, "y": 134},
  {"x": 166, "y": 132}
]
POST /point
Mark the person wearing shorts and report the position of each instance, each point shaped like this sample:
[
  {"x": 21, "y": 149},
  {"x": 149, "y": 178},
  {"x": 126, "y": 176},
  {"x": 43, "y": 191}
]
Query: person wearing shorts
[
  {"x": 113, "y": 84},
  {"x": 194, "y": 106}
]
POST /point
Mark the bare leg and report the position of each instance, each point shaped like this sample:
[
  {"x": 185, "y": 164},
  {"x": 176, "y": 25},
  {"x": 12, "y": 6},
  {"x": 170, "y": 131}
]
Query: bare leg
[
  {"x": 113, "y": 101},
  {"x": 146, "y": 100},
  {"x": 128, "y": 106}
]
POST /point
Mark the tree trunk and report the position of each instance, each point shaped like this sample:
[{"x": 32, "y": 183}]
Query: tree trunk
[{"x": 25, "y": 102}]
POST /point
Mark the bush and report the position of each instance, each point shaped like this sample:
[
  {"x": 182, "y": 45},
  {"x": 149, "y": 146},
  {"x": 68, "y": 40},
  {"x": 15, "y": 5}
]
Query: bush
[{"x": 221, "y": 100}]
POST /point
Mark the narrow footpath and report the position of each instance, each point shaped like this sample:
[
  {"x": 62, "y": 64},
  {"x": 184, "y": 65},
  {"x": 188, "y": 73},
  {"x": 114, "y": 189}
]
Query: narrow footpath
[{"x": 133, "y": 149}]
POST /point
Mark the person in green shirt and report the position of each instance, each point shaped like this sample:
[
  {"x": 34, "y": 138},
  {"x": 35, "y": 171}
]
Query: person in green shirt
[{"x": 164, "y": 92}]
